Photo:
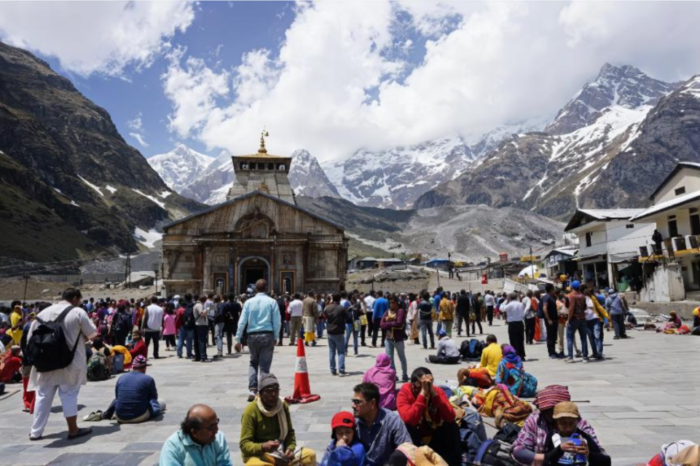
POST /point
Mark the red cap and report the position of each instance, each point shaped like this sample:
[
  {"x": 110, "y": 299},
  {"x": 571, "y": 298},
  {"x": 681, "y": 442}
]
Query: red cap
[{"x": 343, "y": 419}]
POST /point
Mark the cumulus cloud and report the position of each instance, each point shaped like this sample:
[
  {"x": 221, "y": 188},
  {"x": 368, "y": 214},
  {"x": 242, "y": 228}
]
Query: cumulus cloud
[
  {"x": 333, "y": 86},
  {"x": 95, "y": 37}
]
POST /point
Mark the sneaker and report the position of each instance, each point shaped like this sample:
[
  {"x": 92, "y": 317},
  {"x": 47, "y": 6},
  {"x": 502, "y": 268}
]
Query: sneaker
[
  {"x": 93, "y": 416},
  {"x": 586, "y": 360},
  {"x": 343, "y": 373},
  {"x": 600, "y": 358},
  {"x": 334, "y": 373},
  {"x": 313, "y": 344},
  {"x": 569, "y": 360},
  {"x": 357, "y": 355},
  {"x": 553, "y": 356},
  {"x": 616, "y": 338},
  {"x": 579, "y": 354},
  {"x": 251, "y": 396},
  {"x": 405, "y": 379}
]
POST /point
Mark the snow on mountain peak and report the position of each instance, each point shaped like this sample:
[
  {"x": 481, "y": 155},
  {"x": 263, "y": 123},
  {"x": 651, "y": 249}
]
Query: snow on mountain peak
[
  {"x": 180, "y": 166},
  {"x": 625, "y": 86}
]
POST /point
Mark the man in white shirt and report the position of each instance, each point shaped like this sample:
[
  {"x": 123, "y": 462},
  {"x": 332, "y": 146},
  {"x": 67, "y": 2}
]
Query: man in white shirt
[
  {"x": 152, "y": 325},
  {"x": 210, "y": 308},
  {"x": 296, "y": 310},
  {"x": 490, "y": 303},
  {"x": 201, "y": 322},
  {"x": 77, "y": 328},
  {"x": 369, "y": 305},
  {"x": 515, "y": 317}
]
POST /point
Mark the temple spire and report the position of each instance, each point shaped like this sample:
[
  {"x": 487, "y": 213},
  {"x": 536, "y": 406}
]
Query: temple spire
[{"x": 263, "y": 135}]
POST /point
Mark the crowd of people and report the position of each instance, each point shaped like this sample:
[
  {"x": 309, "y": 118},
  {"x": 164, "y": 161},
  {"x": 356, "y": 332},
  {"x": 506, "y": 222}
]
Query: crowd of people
[{"x": 388, "y": 424}]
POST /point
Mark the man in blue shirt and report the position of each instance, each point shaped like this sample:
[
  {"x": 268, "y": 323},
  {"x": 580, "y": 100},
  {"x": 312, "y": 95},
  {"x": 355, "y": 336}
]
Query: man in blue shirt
[
  {"x": 261, "y": 322},
  {"x": 381, "y": 431},
  {"x": 380, "y": 306},
  {"x": 136, "y": 396}
]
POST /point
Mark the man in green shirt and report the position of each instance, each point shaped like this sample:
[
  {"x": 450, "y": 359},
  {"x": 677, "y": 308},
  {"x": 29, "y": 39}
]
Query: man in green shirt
[{"x": 267, "y": 434}]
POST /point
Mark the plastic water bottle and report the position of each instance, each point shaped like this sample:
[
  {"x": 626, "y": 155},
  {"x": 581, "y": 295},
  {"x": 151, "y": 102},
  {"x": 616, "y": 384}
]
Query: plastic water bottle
[{"x": 580, "y": 458}]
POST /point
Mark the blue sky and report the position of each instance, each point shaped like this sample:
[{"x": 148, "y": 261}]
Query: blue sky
[
  {"x": 221, "y": 32},
  {"x": 336, "y": 76}
]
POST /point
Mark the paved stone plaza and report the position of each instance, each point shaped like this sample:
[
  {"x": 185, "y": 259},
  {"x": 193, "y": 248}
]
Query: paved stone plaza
[{"x": 644, "y": 395}]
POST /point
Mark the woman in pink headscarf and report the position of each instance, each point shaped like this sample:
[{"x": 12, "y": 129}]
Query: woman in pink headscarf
[{"x": 384, "y": 377}]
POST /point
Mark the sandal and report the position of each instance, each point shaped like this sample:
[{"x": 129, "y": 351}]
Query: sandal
[{"x": 81, "y": 433}]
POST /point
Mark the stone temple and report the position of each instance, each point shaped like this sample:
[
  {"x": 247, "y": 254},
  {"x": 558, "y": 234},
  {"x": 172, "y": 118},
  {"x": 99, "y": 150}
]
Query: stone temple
[{"x": 259, "y": 232}]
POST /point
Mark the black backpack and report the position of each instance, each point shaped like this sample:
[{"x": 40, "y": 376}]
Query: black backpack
[
  {"x": 188, "y": 320},
  {"x": 471, "y": 349},
  {"x": 122, "y": 323},
  {"x": 47, "y": 349}
]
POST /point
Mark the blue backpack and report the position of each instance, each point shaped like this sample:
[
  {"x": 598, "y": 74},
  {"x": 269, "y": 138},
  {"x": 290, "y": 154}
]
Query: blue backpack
[
  {"x": 472, "y": 434},
  {"x": 524, "y": 384}
]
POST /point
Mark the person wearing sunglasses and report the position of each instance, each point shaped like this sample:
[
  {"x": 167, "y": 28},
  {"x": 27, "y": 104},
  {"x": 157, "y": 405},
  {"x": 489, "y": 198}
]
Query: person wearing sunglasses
[
  {"x": 198, "y": 442},
  {"x": 381, "y": 431},
  {"x": 267, "y": 434}
]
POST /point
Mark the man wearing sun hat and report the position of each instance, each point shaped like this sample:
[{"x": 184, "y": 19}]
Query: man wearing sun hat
[
  {"x": 530, "y": 445},
  {"x": 562, "y": 448}
]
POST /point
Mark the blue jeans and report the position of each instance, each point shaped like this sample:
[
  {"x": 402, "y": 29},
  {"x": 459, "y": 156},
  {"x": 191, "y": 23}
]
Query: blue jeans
[
  {"x": 262, "y": 348},
  {"x": 426, "y": 326},
  {"x": 594, "y": 329},
  {"x": 390, "y": 346},
  {"x": 219, "y": 329},
  {"x": 320, "y": 327},
  {"x": 185, "y": 337},
  {"x": 571, "y": 329},
  {"x": 336, "y": 345},
  {"x": 350, "y": 330}
]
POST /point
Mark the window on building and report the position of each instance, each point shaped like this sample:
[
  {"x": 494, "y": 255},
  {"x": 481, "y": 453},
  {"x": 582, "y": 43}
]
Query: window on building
[
  {"x": 589, "y": 239},
  {"x": 694, "y": 222},
  {"x": 629, "y": 226},
  {"x": 680, "y": 190},
  {"x": 672, "y": 226}
]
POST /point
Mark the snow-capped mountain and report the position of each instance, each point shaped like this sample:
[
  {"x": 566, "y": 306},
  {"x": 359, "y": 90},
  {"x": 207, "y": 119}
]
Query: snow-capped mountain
[
  {"x": 623, "y": 86},
  {"x": 305, "y": 175},
  {"x": 396, "y": 177},
  {"x": 554, "y": 172},
  {"x": 308, "y": 178},
  {"x": 179, "y": 166}
]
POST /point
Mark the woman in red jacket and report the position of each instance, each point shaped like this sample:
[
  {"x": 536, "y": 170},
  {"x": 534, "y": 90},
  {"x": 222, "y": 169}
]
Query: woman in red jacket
[{"x": 429, "y": 416}]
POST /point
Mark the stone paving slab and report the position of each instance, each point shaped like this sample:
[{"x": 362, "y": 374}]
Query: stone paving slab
[{"x": 623, "y": 398}]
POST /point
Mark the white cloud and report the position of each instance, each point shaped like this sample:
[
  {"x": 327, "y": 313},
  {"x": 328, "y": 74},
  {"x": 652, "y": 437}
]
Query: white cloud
[
  {"x": 138, "y": 131},
  {"x": 194, "y": 89},
  {"x": 95, "y": 37},
  {"x": 140, "y": 139},
  {"x": 330, "y": 87}
]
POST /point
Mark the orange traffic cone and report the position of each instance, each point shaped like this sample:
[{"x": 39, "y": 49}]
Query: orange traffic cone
[{"x": 302, "y": 388}]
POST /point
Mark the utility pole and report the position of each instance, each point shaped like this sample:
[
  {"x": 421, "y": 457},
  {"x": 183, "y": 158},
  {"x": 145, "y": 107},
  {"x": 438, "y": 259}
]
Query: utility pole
[
  {"x": 532, "y": 265},
  {"x": 127, "y": 270},
  {"x": 162, "y": 273},
  {"x": 26, "y": 281},
  {"x": 155, "y": 269}
]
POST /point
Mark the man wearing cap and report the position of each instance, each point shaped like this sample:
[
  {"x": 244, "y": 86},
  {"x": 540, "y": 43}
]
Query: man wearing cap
[
  {"x": 447, "y": 353},
  {"x": 576, "y": 321},
  {"x": 261, "y": 320},
  {"x": 530, "y": 446},
  {"x": 345, "y": 449},
  {"x": 617, "y": 309},
  {"x": 267, "y": 433},
  {"x": 560, "y": 447},
  {"x": 515, "y": 318},
  {"x": 136, "y": 396}
]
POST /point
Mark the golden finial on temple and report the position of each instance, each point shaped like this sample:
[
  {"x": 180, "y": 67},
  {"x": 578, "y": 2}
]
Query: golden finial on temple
[{"x": 263, "y": 135}]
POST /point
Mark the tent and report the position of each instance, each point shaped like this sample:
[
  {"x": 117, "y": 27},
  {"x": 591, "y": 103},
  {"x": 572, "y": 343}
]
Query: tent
[{"x": 531, "y": 271}]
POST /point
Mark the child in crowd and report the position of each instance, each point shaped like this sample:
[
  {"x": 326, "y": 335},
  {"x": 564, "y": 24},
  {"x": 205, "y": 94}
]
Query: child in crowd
[
  {"x": 344, "y": 449},
  {"x": 570, "y": 445},
  {"x": 169, "y": 327}
]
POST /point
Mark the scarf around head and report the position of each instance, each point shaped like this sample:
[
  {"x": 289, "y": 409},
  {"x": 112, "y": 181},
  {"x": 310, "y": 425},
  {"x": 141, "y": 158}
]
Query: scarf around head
[
  {"x": 511, "y": 356},
  {"x": 278, "y": 411}
]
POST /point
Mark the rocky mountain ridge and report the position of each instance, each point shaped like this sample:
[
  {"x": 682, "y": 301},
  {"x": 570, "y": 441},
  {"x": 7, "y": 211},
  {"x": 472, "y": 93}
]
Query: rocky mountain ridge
[
  {"x": 179, "y": 166},
  {"x": 615, "y": 157},
  {"x": 70, "y": 186}
]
